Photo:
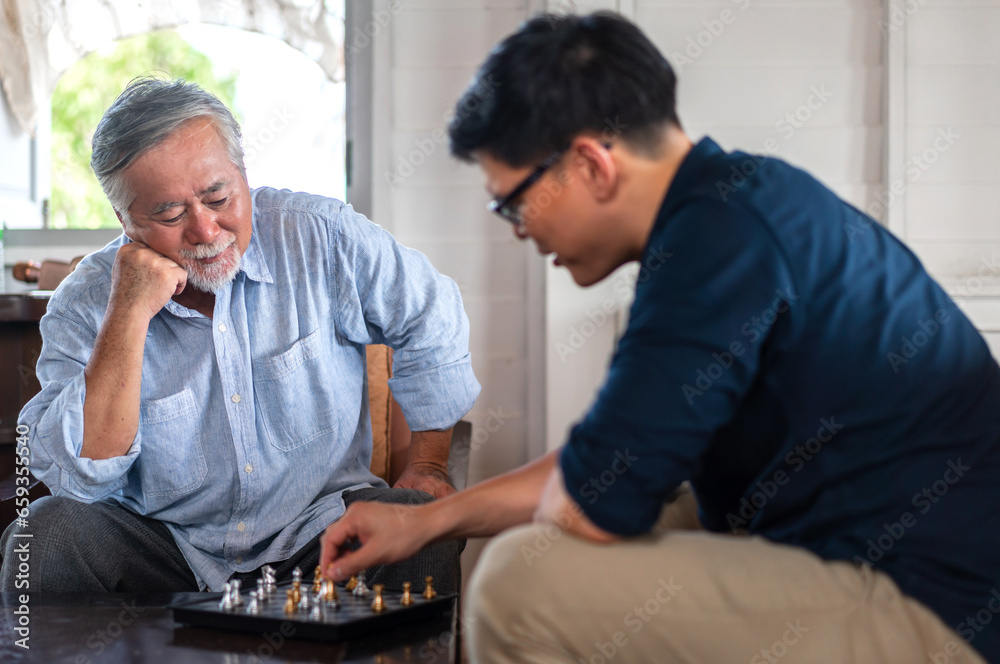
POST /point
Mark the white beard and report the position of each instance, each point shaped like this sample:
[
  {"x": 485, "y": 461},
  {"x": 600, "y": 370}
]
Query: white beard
[{"x": 212, "y": 277}]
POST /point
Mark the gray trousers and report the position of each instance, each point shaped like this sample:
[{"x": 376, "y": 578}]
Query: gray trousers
[{"x": 103, "y": 547}]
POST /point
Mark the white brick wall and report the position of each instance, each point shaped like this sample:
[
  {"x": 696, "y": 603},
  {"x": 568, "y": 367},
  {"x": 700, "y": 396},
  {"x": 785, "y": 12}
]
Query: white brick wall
[{"x": 749, "y": 71}]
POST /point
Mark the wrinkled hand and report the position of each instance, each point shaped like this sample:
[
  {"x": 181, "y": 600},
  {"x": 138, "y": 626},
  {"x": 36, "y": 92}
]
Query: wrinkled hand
[
  {"x": 143, "y": 280},
  {"x": 388, "y": 533},
  {"x": 426, "y": 477}
]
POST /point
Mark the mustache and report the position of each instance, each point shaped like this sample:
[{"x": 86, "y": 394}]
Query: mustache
[{"x": 209, "y": 250}]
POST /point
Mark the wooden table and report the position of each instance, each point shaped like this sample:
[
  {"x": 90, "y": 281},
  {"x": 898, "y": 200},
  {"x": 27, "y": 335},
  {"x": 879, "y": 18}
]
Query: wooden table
[{"x": 139, "y": 629}]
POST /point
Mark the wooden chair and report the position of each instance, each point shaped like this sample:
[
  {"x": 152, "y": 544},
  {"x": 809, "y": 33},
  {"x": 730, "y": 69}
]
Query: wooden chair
[{"x": 391, "y": 435}]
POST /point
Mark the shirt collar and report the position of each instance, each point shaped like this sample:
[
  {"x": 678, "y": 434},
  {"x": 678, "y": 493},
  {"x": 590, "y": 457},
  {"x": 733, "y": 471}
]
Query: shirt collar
[{"x": 254, "y": 262}]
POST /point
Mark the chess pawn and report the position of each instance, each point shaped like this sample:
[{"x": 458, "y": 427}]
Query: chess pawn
[
  {"x": 235, "y": 590},
  {"x": 261, "y": 590},
  {"x": 361, "y": 589},
  {"x": 290, "y": 602},
  {"x": 317, "y": 580},
  {"x": 429, "y": 592},
  {"x": 253, "y": 607},
  {"x": 407, "y": 598},
  {"x": 296, "y": 590},
  {"x": 330, "y": 591},
  {"x": 316, "y": 614},
  {"x": 226, "y": 601},
  {"x": 304, "y": 602},
  {"x": 378, "y": 606},
  {"x": 352, "y": 583}
]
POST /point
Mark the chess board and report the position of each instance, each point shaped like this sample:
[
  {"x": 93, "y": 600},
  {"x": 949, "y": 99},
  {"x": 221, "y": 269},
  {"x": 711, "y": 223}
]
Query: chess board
[{"x": 353, "y": 618}]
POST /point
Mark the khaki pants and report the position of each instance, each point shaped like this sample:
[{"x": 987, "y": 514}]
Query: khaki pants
[{"x": 684, "y": 595}]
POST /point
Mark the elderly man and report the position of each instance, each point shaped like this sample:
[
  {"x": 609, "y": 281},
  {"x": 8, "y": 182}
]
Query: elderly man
[
  {"x": 784, "y": 354},
  {"x": 203, "y": 408}
]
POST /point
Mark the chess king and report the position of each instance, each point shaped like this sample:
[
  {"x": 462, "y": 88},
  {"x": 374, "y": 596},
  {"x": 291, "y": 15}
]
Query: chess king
[
  {"x": 842, "y": 504},
  {"x": 204, "y": 406}
]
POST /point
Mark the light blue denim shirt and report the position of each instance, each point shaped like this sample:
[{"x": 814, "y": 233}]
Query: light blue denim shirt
[{"x": 253, "y": 422}]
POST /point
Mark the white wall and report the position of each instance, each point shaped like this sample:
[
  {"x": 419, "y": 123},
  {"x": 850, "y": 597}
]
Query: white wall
[{"x": 949, "y": 78}]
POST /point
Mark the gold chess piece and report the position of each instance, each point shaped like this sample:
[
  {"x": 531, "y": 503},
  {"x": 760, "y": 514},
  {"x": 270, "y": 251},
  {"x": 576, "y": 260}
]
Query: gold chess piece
[
  {"x": 429, "y": 592},
  {"x": 317, "y": 580},
  {"x": 407, "y": 598},
  {"x": 352, "y": 583},
  {"x": 330, "y": 591},
  {"x": 378, "y": 606},
  {"x": 290, "y": 603},
  {"x": 296, "y": 590}
]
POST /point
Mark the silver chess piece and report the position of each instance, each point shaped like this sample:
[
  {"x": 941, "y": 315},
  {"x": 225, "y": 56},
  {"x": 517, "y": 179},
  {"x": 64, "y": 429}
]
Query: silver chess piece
[
  {"x": 270, "y": 587},
  {"x": 226, "y": 601},
  {"x": 253, "y": 607},
  {"x": 297, "y": 575},
  {"x": 261, "y": 590},
  {"x": 304, "y": 602},
  {"x": 234, "y": 589},
  {"x": 316, "y": 614},
  {"x": 361, "y": 589}
]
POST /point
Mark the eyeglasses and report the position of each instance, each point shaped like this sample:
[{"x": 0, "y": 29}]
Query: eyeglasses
[{"x": 506, "y": 206}]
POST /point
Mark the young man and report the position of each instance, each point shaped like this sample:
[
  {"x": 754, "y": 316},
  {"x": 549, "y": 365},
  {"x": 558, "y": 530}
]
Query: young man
[
  {"x": 204, "y": 405},
  {"x": 819, "y": 391}
]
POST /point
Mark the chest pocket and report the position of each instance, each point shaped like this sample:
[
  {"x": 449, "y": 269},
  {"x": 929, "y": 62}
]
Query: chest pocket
[
  {"x": 294, "y": 396},
  {"x": 172, "y": 461}
]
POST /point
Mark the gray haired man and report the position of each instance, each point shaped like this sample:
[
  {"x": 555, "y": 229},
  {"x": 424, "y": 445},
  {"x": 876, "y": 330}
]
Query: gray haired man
[{"x": 203, "y": 407}]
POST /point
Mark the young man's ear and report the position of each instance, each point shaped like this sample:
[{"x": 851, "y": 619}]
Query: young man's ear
[{"x": 596, "y": 167}]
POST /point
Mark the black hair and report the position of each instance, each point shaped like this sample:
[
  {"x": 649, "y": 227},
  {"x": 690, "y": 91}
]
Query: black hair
[{"x": 559, "y": 76}]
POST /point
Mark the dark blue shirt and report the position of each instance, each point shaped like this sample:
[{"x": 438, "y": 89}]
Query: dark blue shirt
[{"x": 794, "y": 361}]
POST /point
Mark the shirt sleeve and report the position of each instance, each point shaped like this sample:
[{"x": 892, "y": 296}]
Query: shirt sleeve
[
  {"x": 54, "y": 416},
  {"x": 698, "y": 327},
  {"x": 390, "y": 294}
]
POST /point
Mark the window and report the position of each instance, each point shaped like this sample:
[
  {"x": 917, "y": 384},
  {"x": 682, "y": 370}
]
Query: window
[{"x": 292, "y": 114}]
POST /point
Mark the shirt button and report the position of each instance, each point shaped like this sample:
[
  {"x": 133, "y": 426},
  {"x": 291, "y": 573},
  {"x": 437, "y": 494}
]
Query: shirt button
[
  {"x": 241, "y": 526},
  {"x": 236, "y": 398},
  {"x": 239, "y": 560},
  {"x": 222, "y": 327},
  {"x": 248, "y": 468}
]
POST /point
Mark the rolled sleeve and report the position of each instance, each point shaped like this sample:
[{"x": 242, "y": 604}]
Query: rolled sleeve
[
  {"x": 651, "y": 424},
  {"x": 390, "y": 294}
]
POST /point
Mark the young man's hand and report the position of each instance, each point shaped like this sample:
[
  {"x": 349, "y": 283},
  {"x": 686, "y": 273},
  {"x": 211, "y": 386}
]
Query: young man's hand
[{"x": 387, "y": 533}]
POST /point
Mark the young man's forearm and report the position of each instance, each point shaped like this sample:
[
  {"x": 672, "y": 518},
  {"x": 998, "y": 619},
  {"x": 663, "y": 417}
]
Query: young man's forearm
[{"x": 492, "y": 506}]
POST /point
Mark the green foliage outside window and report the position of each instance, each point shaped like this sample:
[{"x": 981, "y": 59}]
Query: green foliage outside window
[{"x": 85, "y": 92}]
